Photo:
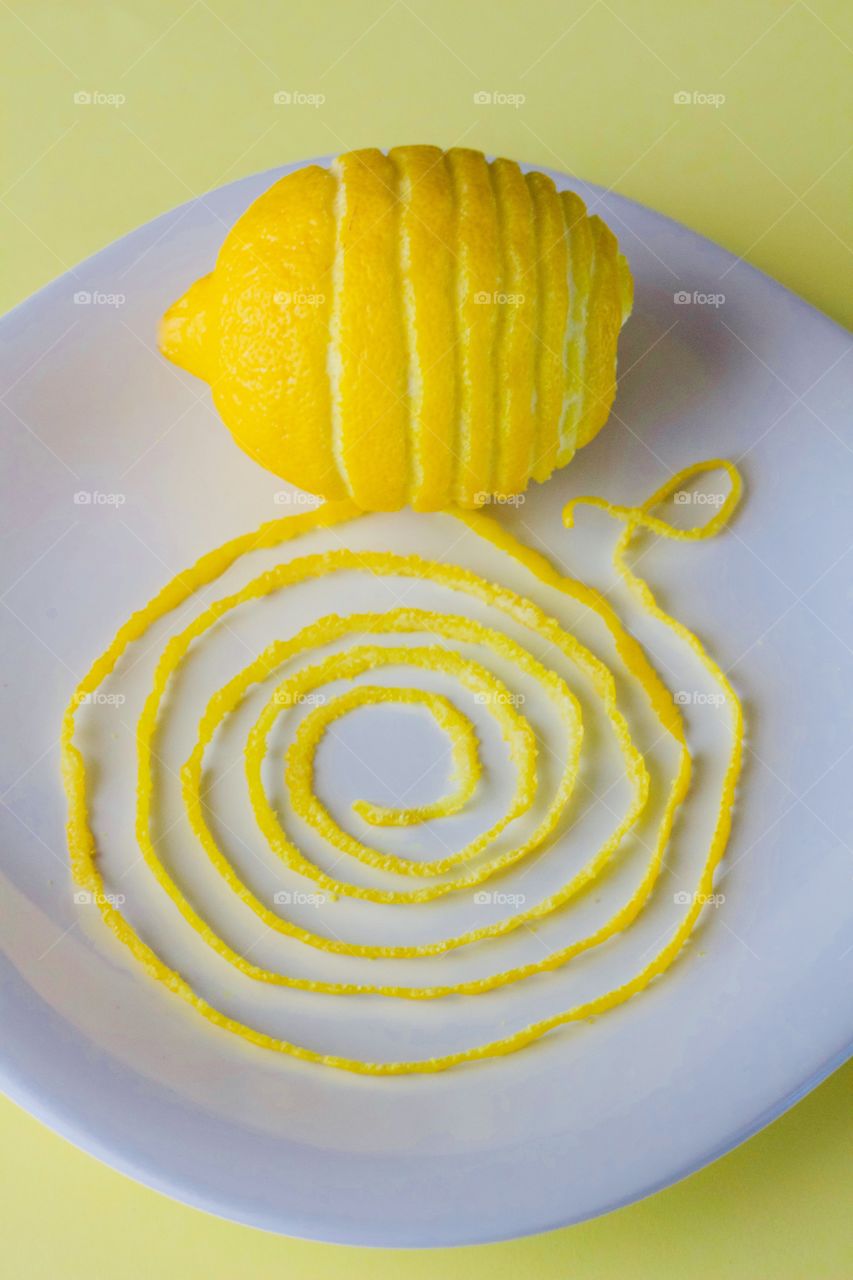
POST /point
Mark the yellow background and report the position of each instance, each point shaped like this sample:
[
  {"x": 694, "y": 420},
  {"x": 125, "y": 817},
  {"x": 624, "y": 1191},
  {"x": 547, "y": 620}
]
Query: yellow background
[{"x": 765, "y": 173}]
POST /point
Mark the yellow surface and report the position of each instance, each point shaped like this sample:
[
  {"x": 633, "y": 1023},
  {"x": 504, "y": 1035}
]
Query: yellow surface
[
  {"x": 387, "y": 329},
  {"x": 765, "y": 174}
]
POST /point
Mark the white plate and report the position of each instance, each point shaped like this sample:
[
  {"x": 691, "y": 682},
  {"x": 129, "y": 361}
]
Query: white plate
[{"x": 755, "y": 1013}]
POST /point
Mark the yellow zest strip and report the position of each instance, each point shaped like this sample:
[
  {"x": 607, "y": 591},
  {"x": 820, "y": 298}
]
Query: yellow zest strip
[
  {"x": 299, "y": 774},
  {"x": 465, "y": 757},
  {"x": 640, "y": 518},
  {"x": 402, "y": 620},
  {"x": 208, "y": 568}
]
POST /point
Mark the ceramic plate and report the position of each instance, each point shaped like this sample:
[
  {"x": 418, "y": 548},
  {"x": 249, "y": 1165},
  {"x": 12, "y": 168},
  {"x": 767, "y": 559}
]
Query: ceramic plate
[{"x": 117, "y": 474}]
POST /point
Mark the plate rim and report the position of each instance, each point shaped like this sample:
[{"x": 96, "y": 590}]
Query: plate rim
[{"x": 182, "y": 1191}]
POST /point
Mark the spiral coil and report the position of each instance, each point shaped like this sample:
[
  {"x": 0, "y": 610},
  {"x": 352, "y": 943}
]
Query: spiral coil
[{"x": 349, "y": 664}]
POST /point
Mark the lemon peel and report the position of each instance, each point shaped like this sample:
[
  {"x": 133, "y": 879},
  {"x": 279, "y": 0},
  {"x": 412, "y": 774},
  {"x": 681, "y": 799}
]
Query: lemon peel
[
  {"x": 465, "y": 762},
  {"x": 82, "y": 845}
]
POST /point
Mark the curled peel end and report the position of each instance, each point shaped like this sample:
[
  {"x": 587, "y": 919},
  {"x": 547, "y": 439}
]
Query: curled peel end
[{"x": 640, "y": 517}]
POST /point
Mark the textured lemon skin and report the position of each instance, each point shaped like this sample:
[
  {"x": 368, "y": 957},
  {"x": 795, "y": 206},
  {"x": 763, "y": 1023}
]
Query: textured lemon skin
[{"x": 422, "y": 327}]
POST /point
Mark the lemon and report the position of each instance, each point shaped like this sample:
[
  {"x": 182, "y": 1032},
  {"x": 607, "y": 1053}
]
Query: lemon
[{"x": 422, "y": 327}]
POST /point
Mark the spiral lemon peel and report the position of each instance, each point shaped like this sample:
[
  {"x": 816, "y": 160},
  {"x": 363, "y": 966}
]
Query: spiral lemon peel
[
  {"x": 465, "y": 756},
  {"x": 401, "y": 620},
  {"x": 82, "y": 845},
  {"x": 299, "y": 773}
]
